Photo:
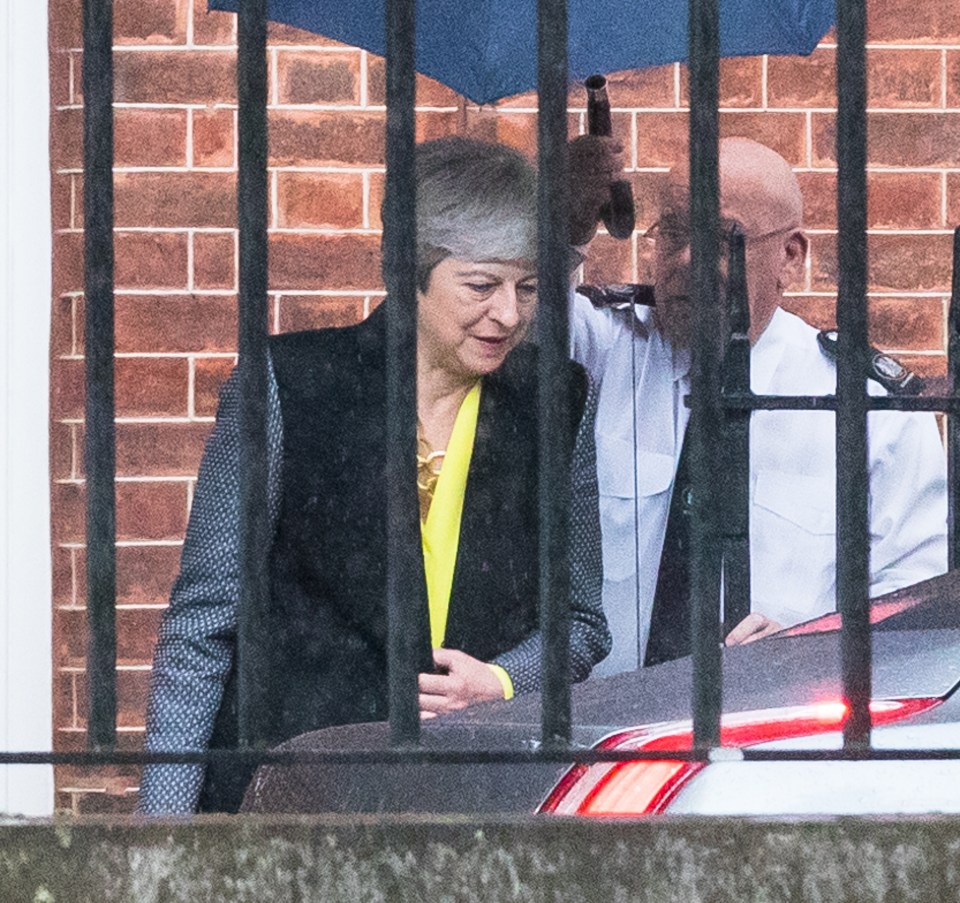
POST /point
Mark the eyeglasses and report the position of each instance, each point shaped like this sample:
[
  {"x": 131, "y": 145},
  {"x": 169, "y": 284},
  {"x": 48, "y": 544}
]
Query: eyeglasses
[{"x": 674, "y": 234}]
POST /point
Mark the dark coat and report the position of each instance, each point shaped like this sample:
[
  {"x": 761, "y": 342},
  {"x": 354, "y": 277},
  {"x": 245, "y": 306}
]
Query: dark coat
[{"x": 328, "y": 558}]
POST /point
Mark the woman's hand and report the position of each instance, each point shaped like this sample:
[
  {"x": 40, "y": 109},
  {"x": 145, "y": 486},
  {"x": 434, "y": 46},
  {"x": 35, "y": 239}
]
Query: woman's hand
[
  {"x": 465, "y": 680},
  {"x": 754, "y": 626},
  {"x": 594, "y": 164}
]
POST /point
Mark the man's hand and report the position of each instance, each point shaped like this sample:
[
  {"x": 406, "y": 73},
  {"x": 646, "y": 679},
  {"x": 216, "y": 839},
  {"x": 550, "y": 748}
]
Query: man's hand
[
  {"x": 595, "y": 163},
  {"x": 754, "y": 626},
  {"x": 465, "y": 680}
]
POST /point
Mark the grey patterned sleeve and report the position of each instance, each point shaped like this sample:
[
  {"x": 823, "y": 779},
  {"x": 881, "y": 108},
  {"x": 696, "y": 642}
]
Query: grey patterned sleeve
[
  {"x": 195, "y": 647},
  {"x": 590, "y": 638}
]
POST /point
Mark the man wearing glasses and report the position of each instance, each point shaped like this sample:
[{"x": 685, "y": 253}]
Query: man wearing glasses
[{"x": 640, "y": 358}]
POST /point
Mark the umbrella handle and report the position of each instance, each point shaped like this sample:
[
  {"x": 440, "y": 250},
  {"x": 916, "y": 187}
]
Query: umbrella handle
[{"x": 618, "y": 213}]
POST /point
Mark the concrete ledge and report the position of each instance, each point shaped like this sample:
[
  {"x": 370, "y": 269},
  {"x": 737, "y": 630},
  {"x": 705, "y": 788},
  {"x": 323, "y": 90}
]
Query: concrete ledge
[{"x": 321, "y": 860}]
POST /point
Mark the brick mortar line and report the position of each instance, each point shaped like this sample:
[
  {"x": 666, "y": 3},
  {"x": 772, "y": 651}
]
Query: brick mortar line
[
  {"x": 159, "y": 170},
  {"x": 81, "y": 481},
  {"x": 178, "y": 47},
  {"x": 350, "y": 49},
  {"x": 189, "y": 33},
  {"x": 215, "y": 106},
  {"x": 76, "y": 453},
  {"x": 159, "y": 355},
  {"x": 120, "y": 607},
  {"x": 365, "y": 184},
  {"x": 74, "y": 669},
  {"x": 344, "y": 170},
  {"x": 933, "y": 230},
  {"x": 904, "y": 294},
  {"x": 360, "y": 294},
  {"x": 74, "y": 332},
  {"x": 361, "y": 170},
  {"x": 188, "y": 151},
  {"x": 71, "y": 78},
  {"x": 377, "y": 109},
  {"x": 74, "y": 717},
  {"x": 74, "y": 578},
  {"x": 945, "y": 318},
  {"x": 831, "y": 45},
  {"x": 156, "y": 292},
  {"x": 188, "y": 231},
  {"x": 159, "y": 48},
  {"x": 352, "y": 108},
  {"x": 151, "y": 293},
  {"x": 74, "y": 218},
  {"x": 274, "y": 201},
  {"x": 884, "y": 168},
  {"x": 318, "y": 230},
  {"x": 274, "y": 303},
  {"x": 191, "y": 385},
  {"x": 148, "y": 421},
  {"x": 129, "y": 544},
  {"x": 942, "y": 45},
  {"x": 764, "y": 97},
  {"x": 190, "y": 254},
  {"x": 364, "y": 85},
  {"x": 83, "y": 730},
  {"x": 944, "y": 192},
  {"x": 319, "y": 48}
]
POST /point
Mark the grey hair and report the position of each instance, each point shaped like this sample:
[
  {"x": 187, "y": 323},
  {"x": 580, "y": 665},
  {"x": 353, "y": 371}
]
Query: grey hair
[{"x": 475, "y": 201}]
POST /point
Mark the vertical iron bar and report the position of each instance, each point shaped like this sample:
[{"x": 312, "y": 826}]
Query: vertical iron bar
[
  {"x": 736, "y": 424},
  {"x": 704, "y": 379},
  {"x": 853, "y": 554},
  {"x": 953, "y": 420},
  {"x": 253, "y": 629},
  {"x": 554, "y": 375},
  {"x": 406, "y": 595},
  {"x": 100, "y": 441}
]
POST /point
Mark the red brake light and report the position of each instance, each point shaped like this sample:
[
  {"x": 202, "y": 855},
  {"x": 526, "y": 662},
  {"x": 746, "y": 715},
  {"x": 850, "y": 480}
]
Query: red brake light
[
  {"x": 829, "y": 623},
  {"x": 646, "y": 788}
]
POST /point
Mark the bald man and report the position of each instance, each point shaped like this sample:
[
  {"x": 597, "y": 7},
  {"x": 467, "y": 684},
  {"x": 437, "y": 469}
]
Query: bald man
[{"x": 641, "y": 363}]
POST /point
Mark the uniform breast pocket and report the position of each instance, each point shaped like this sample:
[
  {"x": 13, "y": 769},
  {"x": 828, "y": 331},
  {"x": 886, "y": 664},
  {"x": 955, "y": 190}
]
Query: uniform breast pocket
[
  {"x": 628, "y": 490},
  {"x": 793, "y": 546}
]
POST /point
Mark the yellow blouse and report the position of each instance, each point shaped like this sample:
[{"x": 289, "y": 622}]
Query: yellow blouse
[{"x": 440, "y": 531}]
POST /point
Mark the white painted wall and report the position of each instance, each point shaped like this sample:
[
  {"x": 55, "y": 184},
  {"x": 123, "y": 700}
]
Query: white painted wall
[{"x": 25, "y": 288}]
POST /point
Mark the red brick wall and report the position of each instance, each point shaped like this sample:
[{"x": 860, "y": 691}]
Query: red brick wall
[{"x": 176, "y": 249}]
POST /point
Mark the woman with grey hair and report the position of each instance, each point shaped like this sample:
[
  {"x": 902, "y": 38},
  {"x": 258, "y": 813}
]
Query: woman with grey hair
[{"x": 477, "y": 490}]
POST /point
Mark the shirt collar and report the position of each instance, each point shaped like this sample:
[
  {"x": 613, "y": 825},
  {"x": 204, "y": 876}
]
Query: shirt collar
[{"x": 766, "y": 353}]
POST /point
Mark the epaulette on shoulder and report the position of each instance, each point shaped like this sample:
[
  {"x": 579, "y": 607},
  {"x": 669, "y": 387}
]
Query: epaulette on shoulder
[
  {"x": 881, "y": 367},
  {"x": 618, "y": 296}
]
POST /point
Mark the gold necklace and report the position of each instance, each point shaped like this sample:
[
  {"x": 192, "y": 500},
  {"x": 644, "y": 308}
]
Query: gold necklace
[{"x": 429, "y": 464}]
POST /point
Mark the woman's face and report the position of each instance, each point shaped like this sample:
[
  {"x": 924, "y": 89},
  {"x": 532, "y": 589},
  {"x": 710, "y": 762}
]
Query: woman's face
[{"x": 473, "y": 314}]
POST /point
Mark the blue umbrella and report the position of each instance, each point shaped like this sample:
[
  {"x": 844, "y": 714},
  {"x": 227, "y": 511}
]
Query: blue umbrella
[{"x": 486, "y": 49}]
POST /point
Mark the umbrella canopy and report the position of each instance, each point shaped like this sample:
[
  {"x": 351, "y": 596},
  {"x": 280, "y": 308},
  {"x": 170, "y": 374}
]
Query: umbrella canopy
[{"x": 487, "y": 49}]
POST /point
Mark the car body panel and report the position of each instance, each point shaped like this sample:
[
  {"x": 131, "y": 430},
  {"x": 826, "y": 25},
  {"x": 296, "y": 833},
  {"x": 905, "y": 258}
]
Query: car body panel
[{"x": 922, "y": 662}]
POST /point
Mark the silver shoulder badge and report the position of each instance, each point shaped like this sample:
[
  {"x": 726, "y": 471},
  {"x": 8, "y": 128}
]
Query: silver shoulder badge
[{"x": 881, "y": 367}]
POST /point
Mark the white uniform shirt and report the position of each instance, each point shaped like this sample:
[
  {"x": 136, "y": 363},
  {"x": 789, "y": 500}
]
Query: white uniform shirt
[{"x": 792, "y": 475}]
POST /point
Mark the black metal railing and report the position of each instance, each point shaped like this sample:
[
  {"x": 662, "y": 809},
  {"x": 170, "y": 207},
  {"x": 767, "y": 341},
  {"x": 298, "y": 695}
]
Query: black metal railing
[
  {"x": 720, "y": 406},
  {"x": 252, "y": 622},
  {"x": 853, "y": 551},
  {"x": 406, "y": 590},
  {"x": 554, "y": 376},
  {"x": 100, "y": 439},
  {"x": 706, "y": 420}
]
